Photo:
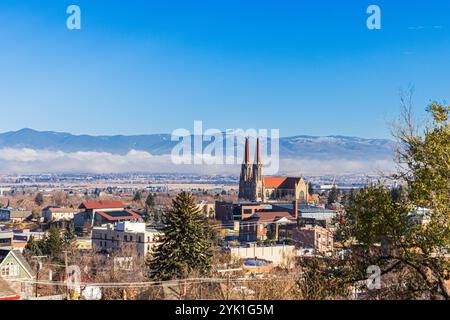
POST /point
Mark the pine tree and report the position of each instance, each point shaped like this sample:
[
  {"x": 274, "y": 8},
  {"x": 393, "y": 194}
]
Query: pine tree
[
  {"x": 53, "y": 243},
  {"x": 137, "y": 196},
  {"x": 39, "y": 199},
  {"x": 149, "y": 206},
  {"x": 185, "y": 246},
  {"x": 310, "y": 188},
  {"x": 69, "y": 235},
  {"x": 332, "y": 195},
  {"x": 33, "y": 248}
]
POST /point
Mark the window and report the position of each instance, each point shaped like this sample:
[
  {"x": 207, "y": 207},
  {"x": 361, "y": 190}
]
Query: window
[
  {"x": 10, "y": 270},
  {"x": 131, "y": 238}
]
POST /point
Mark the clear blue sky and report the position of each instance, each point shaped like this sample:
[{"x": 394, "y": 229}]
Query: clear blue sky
[{"x": 305, "y": 67}]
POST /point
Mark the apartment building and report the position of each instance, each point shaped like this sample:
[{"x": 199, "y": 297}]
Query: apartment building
[
  {"x": 125, "y": 235},
  {"x": 314, "y": 237}
]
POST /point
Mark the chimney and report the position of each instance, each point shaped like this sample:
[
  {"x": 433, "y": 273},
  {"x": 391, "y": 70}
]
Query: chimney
[
  {"x": 258, "y": 156},
  {"x": 247, "y": 151},
  {"x": 295, "y": 208}
]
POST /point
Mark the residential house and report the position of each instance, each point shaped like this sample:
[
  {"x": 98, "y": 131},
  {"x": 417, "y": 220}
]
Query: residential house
[
  {"x": 16, "y": 271},
  {"x": 58, "y": 213},
  {"x": 14, "y": 215},
  {"x": 100, "y": 213}
]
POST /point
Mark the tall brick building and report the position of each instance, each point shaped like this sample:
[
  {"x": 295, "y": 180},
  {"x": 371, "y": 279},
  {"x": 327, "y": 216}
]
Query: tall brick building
[{"x": 253, "y": 186}]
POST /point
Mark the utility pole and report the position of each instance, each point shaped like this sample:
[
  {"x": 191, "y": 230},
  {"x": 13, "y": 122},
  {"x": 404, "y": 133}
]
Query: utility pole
[
  {"x": 228, "y": 286},
  {"x": 65, "y": 272},
  {"x": 38, "y": 268},
  {"x": 37, "y": 280}
]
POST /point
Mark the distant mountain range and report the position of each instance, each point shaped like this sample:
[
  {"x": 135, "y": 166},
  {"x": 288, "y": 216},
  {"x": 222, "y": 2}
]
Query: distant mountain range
[{"x": 297, "y": 147}]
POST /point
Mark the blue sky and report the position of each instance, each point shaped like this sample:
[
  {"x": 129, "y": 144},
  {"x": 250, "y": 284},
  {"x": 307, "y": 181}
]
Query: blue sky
[{"x": 305, "y": 67}]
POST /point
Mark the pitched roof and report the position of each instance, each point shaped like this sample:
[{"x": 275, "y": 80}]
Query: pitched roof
[
  {"x": 269, "y": 216},
  {"x": 280, "y": 182},
  {"x": 119, "y": 215},
  {"x": 20, "y": 258},
  {"x": 20, "y": 214},
  {"x": 102, "y": 204},
  {"x": 6, "y": 293},
  {"x": 60, "y": 210}
]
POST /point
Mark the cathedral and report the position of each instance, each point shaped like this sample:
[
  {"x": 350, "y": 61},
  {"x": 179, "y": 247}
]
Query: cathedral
[{"x": 253, "y": 186}]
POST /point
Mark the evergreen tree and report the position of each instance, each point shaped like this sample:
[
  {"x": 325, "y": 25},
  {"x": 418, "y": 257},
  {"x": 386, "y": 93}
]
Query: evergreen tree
[
  {"x": 150, "y": 201},
  {"x": 310, "y": 188},
  {"x": 137, "y": 196},
  {"x": 185, "y": 246},
  {"x": 149, "y": 206},
  {"x": 69, "y": 235},
  {"x": 33, "y": 248},
  {"x": 39, "y": 199},
  {"x": 332, "y": 195},
  {"x": 53, "y": 243}
]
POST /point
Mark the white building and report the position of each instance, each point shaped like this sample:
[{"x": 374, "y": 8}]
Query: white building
[
  {"x": 123, "y": 235},
  {"x": 58, "y": 214}
]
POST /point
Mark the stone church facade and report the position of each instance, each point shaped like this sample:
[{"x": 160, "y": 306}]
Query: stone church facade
[{"x": 254, "y": 187}]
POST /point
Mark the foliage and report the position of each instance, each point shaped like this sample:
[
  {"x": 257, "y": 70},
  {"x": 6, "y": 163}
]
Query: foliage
[
  {"x": 33, "y": 248},
  {"x": 332, "y": 195},
  {"x": 185, "y": 246},
  {"x": 149, "y": 207},
  {"x": 379, "y": 228},
  {"x": 137, "y": 196},
  {"x": 39, "y": 199}
]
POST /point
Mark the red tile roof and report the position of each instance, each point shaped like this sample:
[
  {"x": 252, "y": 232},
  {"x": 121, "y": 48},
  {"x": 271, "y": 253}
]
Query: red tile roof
[
  {"x": 280, "y": 182},
  {"x": 102, "y": 204},
  {"x": 119, "y": 215}
]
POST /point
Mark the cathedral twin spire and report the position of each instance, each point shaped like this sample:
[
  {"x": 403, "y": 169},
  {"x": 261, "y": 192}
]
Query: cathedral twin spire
[
  {"x": 247, "y": 151},
  {"x": 251, "y": 181}
]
